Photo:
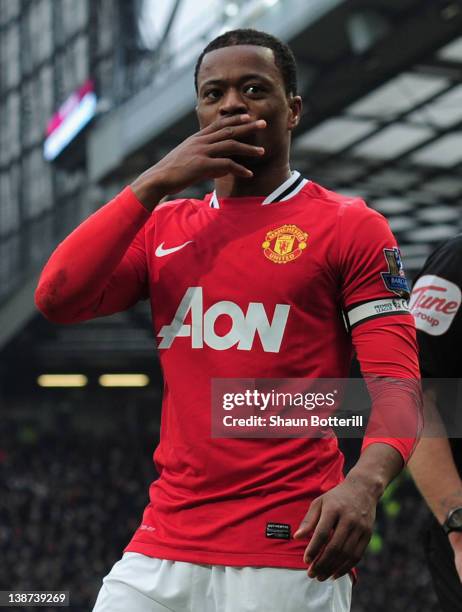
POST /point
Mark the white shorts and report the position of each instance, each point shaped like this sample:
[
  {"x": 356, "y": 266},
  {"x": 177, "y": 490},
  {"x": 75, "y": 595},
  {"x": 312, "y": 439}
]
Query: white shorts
[{"x": 138, "y": 583}]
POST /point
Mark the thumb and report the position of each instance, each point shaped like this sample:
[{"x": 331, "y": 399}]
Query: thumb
[{"x": 309, "y": 522}]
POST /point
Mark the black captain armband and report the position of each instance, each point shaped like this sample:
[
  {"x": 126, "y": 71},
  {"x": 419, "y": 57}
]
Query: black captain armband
[{"x": 366, "y": 311}]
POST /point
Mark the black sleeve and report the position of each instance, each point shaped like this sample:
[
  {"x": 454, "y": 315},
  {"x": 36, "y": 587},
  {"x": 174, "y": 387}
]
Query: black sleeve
[{"x": 435, "y": 304}]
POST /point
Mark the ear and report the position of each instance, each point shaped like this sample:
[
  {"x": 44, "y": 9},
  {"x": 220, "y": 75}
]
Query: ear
[{"x": 295, "y": 111}]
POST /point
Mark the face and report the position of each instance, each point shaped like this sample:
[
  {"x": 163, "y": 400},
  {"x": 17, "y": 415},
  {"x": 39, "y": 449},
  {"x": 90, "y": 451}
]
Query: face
[{"x": 244, "y": 79}]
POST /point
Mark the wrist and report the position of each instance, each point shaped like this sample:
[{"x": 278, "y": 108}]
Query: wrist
[
  {"x": 453, "y": 521},
  {"x": 376, "y": 467},
  {"x": 149, "y": 189},
  {"x": 373, "y": 483}
]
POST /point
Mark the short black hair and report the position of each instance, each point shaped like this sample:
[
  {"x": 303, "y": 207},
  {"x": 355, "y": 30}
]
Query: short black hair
[{"x": 283, "y": 56}]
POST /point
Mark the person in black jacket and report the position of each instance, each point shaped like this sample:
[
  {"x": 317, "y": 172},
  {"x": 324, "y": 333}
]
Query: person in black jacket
[{"x": 436, "y": 464}]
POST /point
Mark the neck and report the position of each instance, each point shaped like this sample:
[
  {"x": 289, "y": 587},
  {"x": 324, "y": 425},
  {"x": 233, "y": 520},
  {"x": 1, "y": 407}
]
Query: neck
[{"x": 264, "y": 181}]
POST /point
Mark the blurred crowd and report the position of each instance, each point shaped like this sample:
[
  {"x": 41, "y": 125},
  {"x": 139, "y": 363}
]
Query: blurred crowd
[{"x": 71, "y": 500}]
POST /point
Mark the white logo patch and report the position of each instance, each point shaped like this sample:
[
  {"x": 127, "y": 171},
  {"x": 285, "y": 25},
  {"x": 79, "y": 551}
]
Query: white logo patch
[
  {"x": 244, "y": 326},
  {"x": 434, "y": 304},
  {"x": 161, "y": 252}
]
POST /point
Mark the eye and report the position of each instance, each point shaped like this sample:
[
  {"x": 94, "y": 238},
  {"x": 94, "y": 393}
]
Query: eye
[
  {"x": 254, "y": 89},
  {"x": 212, "y": 94}
]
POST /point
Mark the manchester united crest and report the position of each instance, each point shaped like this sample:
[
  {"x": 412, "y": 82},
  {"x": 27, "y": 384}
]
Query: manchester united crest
[{"x": 284, "y": 244}]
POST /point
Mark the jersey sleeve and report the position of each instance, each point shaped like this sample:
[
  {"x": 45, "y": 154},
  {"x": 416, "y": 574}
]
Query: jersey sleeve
[
  {"x": 373, "y": 283},
  {"x": 100, "y": 268},
  {"x": 435, "y": 304},
  {"x": 374, "y": 293},
  {"x": 387, "y": 353}
]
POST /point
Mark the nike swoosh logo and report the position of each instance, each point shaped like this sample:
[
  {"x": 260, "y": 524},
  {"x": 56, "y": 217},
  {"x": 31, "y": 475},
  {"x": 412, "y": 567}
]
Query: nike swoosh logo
[{"x": 161, "y": 252}]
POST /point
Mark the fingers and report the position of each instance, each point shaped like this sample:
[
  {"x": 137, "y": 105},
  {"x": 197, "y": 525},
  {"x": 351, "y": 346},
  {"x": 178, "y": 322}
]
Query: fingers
[
  {"x": 321, "y": 536},
  {"x": 221, "y": 167},
  {"x": 347, "y": 555},
  {"x": 309, "y": 522},
  {"x": 233, "y": 147},
  {"x": 319, "y": 540},
  {"x": 358, "y": 550},
  {"x": 231, "y": 127},
  {"x": 224, "y": 122},
  {"x": 334, "y": 554},
  {"x": 338, "y": 556}
]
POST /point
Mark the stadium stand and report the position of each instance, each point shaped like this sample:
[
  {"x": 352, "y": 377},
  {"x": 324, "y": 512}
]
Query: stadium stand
[{"x": 72, "y": 498}]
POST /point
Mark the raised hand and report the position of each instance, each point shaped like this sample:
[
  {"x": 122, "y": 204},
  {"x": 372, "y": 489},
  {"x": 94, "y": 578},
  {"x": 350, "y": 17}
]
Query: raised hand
[{"x": 207, "y": 154}]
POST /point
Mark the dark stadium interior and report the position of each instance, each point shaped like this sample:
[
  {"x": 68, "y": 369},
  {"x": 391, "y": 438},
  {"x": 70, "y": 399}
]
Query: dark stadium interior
[
  {"x": 75, "y": 463},
  {"x": 75, "y": 476}
]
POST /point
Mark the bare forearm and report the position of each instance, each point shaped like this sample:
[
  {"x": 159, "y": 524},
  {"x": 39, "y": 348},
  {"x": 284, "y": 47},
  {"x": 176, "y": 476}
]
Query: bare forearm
[
  {"x": 377, "y": 466},
  {"x": 432, "y": 465},
  {"x": 436, "y": 477}
]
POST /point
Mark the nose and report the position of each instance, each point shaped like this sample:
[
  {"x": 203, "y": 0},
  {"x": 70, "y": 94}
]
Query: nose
[{"x": 232, "y": 103}]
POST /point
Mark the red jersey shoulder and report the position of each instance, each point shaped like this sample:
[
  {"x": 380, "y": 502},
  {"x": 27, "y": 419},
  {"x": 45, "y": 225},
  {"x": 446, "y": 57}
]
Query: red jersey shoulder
[
  {"x": 351, "y": 210},
  {"x": 318, "y": 191},
  {"x": 341, "y": 203}
]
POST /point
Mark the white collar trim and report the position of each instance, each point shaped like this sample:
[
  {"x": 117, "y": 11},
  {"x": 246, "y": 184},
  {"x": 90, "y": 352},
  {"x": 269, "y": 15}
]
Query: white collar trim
[{"x": 288, "y": 189}]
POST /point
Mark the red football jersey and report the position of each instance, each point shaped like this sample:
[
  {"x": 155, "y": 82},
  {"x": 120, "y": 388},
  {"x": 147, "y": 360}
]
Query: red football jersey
[{"x": 242, "y": 288}]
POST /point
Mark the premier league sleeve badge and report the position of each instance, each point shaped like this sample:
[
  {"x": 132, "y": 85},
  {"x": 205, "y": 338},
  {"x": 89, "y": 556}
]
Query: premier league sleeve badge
[{"x": 395, "y": 279}]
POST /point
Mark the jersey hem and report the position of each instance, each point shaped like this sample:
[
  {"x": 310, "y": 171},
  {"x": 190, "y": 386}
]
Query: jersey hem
[
  {"x": 218, "y": 558},
  {"x": 229, "y": 559}
]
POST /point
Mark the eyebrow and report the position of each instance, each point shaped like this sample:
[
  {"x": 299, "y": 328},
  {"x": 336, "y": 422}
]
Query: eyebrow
[{"x": 245, "y": 77}]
